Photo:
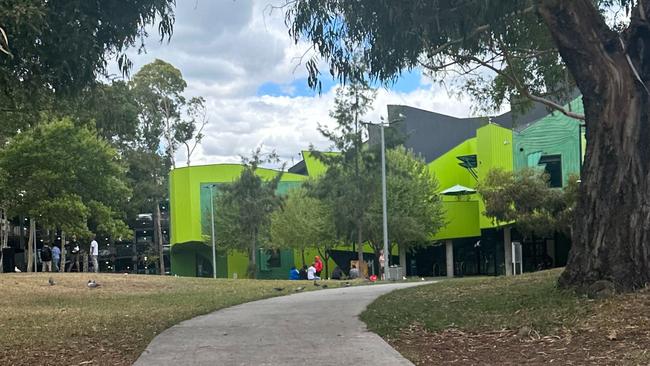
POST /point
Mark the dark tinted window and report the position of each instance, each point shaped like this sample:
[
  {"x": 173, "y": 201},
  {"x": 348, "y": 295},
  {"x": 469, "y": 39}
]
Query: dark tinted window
[{"x": 553, "y": 166}]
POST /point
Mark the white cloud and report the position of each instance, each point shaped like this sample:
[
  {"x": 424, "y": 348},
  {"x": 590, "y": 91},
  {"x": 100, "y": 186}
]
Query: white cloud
[
  {"x": 227, "y": 49},
  {"x": 289, "y": 124}
]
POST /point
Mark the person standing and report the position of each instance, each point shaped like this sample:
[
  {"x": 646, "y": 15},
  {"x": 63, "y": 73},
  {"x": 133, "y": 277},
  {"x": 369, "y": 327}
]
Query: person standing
[
  {"x": 56, "y": 257},
  {"x": 75, "y": 251},
  {"x": 46, "y": 258},
  {"x": 318, "y": 264},
  {"x": 94, "y": 254}
]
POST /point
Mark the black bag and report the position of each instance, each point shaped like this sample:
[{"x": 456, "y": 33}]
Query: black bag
[{"x": 46, "y": 254}]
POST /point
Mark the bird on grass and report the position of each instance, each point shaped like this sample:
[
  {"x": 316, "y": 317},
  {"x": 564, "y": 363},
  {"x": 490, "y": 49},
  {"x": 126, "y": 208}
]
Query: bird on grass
[
  {"x": 298, "y": 289},
  {"x": 51, "y": 281},
  {"x": 324, "y": 286},
  {"x": 347, "y": 284},
  {"x": 278, "y": 288},
  {"x": 316, "y": 283},
  {"x": 92, "y": 284}
]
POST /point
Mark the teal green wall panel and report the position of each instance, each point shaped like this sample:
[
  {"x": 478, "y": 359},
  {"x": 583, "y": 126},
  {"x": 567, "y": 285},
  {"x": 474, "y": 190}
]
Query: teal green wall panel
[{"x": 555, "y": 134}]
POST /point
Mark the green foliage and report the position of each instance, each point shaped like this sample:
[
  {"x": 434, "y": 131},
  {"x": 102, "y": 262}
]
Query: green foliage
[
  {"x": 415, "y": 211},
  {"x": 165, "y": 112},
  {"x": 347, "y": 185},
  {"x": 497, "y": 51},
  {"x": 65, "y": 177},
  {"x": 303, "y": 222},
  {"x": 525, "y": 198},
  {"x": 245, "y": 207},
  {"x": 58, "y": 48}
]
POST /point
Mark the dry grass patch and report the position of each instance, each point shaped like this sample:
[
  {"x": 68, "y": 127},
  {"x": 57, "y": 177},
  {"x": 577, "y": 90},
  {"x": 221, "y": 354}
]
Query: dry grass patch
[{"x": 71, "y": 324}]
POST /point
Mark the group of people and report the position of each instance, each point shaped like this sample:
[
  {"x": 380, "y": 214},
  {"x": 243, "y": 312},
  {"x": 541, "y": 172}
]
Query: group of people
[
  {"x": 313, "y": 272},
  {"x": 307, "y": 273},
  {"x": 51, "y": 256}
]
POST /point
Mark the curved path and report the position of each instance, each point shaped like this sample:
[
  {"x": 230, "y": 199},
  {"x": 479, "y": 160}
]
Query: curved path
[{"x": 309, "y": 328}]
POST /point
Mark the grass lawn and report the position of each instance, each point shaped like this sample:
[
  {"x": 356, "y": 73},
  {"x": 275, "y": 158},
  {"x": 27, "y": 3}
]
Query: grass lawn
[
  {"x": 523, "y": 319},
  {"x": 70, "y": 324}
]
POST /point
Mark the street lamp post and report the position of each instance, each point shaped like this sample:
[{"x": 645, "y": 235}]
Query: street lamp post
[
  {"x": 384, "y": 205},
  {"x": 214, "y": 247},
  {"x": 383, "y": 202}
]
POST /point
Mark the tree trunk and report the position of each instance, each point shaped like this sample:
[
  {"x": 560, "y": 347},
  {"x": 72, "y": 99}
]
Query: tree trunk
[
  {"x": 30, "y": 245},
  {"x": 159, "y": 239},
  {"x": 612, "y": 224},
  {"x": 4, "y": 226},
  {"x": 85, "y": 261},
  {"x": 360, "y": 245},
  {"x": 252, "y": 259},
  {"x": 326, "y": 258},
  {"x": 62, "y": 265},
  {"x": 302, "y": 254}
]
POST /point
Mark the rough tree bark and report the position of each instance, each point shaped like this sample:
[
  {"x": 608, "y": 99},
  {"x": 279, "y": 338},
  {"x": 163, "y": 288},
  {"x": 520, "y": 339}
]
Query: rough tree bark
[
  {"x": 612, "y": 226},
  {"x": 252, "y": 258},
  {"x": 360, "y": 245}
]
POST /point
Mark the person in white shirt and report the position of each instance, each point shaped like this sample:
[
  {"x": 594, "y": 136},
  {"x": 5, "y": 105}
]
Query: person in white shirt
[
  {"x": 94, "y": 253},
  {"x": 311, "y": 273}
]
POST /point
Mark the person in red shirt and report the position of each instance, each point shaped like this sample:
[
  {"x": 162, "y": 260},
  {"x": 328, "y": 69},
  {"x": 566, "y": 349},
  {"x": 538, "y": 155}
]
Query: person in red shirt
[{"x": 318, "y": 265}]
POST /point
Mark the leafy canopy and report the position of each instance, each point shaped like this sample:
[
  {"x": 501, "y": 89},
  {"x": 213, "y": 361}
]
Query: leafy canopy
[
  {"x": 165, "y": 112},
  {"x": 525, "y": 198},
  {"x": 496, "y": 50},
  {"x": 55, "y": 49},
  {"x": 65, "y": 177},
  {"x": 303, "y": 222},
  {"x": 346, "y": 186},
  {"x": 245, "y": 207},
  {"x": 415, "y": 211}
]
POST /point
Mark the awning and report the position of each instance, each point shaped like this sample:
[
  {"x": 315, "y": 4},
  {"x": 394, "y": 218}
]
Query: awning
[{"x": 458, "y": 190}]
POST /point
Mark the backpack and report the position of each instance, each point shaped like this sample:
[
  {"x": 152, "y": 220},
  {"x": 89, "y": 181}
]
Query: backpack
[{"x": 46, "y": 254}]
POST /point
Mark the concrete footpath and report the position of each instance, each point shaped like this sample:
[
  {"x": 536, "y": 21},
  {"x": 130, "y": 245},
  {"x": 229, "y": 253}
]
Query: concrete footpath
[{"x": 310, "y": 328}]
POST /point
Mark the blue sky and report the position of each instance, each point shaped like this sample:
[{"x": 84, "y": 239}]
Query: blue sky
[{"x": 406, "y": 83}]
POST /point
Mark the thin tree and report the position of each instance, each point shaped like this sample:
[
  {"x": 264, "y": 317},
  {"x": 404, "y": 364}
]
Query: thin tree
[
  {"x": 304, "y": 222},
  {"x": 345, "y": 184},
  {"x": 245, "y": 208}
]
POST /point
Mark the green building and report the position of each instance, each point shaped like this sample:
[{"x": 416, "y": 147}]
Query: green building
[
  {"x": 458, "y": 151},
  {"x": 191, "y": 191},
  {"x": 461, "y": 152}
]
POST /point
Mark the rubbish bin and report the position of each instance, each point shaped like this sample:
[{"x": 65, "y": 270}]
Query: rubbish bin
[{"x": 395, "y": 273}]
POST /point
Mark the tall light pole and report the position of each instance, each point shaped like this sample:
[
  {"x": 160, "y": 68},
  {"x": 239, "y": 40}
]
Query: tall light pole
[
  {"x": 381, "y": 126},
  {"x": 383, "y": 202},
  {"x": 214, "y": 247}
]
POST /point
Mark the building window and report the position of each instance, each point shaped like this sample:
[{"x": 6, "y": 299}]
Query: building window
[{"x": 553, "y": 167}]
